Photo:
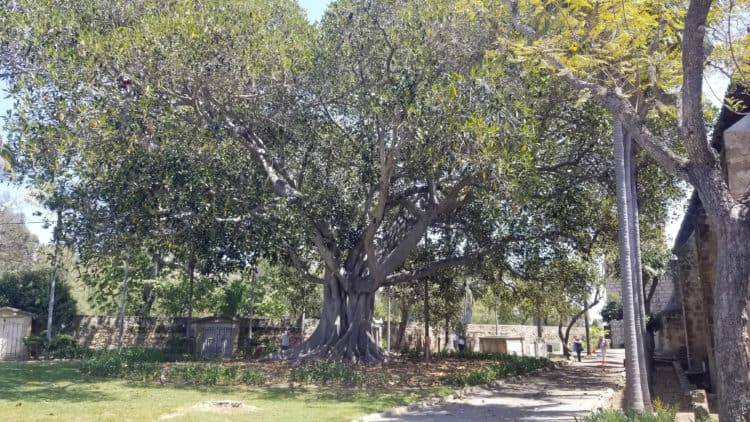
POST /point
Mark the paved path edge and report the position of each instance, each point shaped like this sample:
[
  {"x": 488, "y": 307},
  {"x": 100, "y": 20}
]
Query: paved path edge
[{"x": 602, "y": 403}]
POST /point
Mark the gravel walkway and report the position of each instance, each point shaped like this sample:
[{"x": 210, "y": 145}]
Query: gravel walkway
[{"x": 564, "y": 394}]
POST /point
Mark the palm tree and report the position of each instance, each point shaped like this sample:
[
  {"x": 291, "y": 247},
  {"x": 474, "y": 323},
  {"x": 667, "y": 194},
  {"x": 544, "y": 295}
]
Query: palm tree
[
  {"x": 635, "y": 250},
  {"x": 633, "y": 389}
]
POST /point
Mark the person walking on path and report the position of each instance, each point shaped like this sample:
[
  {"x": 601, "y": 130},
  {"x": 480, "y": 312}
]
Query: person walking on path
[
  {"x": 603, "y": 350},
  {"x": 578, "y": 347}
]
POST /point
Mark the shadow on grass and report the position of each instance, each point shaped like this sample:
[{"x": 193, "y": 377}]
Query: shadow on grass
[
  {"x": 46, "y": 381},
  {"x": 369, "y": 400}
]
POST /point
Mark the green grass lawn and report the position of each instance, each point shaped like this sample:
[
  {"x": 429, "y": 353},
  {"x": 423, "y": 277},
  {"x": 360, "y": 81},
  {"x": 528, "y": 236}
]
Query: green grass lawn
[{"x": 58, "y": 392}]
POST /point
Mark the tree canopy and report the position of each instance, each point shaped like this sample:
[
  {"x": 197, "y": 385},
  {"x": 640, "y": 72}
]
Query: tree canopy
[{"x": 389, "y": 143}]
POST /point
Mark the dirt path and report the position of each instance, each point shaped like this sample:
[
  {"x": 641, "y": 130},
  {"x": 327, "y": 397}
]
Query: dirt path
[{"x": 560, "y": 395}]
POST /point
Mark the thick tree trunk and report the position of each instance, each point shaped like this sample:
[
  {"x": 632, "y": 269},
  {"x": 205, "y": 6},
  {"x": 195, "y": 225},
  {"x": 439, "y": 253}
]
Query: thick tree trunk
[
  {"x": 633, "y": 390},
  {"x": 731, "y": 341},
  {"x": 563, "y": 339},
  {"x": 538, "y": 323},
  {"x": 345, "y": 328}
]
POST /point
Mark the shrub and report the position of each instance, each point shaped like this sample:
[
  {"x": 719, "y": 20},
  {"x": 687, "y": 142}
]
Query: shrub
[
  {"x": 505, "y": 366},
  {"x": 135, "y": 363},
  {"x": 617, "y": 415},
  {"x": 65, "y": 346},
  {"x": 36, "y": 345},
  {"x": 61, "y": 346},
  {"x": 179, "y": 346},
  {"x": 148, "y": 365},
  {"x": 214, "y": 374},
  {"x": 326, "y": 372},
  {"x": 252, "y": 376}
]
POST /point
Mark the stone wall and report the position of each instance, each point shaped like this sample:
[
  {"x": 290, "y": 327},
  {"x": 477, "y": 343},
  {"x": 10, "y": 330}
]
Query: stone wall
[
  {"x": 100, "y": 332},
  {"x": 415, "y": 334}
]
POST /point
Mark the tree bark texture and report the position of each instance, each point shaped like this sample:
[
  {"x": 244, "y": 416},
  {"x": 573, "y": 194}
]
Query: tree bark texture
[
  {"x": 731, "y": 341},
  {"x": 345, "y": 328}
]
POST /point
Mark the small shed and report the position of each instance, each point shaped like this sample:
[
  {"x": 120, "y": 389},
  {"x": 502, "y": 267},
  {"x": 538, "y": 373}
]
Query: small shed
[
  {"x": 215, "y": 338},
  {"x": 15, "y": 326},
  {"x": 497, "y": 344}
]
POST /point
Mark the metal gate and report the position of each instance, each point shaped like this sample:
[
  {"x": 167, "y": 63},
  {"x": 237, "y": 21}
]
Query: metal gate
[
  {"x": 11, "y": 338},
  {"x": 217, "y": 342}
]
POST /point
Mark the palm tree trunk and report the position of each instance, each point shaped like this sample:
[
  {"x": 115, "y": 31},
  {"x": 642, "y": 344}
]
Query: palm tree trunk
[
  {"x": 635, "y": 261},
  {"x": 53, "y": 280},
  {"x": 633, "y": 389},
  {"x": 123, "y": 303}
]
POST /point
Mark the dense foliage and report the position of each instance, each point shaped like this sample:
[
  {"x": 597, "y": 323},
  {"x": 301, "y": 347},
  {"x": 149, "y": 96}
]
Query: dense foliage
[
  {"x": 29, "y": 291},
  {"x": 382, "y": 147}
]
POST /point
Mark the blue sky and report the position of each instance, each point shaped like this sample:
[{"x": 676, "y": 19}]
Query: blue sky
[{"x": 314, "y": 8}]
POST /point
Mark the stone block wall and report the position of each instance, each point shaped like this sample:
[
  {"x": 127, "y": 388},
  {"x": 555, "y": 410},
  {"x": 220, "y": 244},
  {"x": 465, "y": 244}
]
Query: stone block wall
[
  {"x": 415, "y": 334},
  {"x": 100, "y": 332}
]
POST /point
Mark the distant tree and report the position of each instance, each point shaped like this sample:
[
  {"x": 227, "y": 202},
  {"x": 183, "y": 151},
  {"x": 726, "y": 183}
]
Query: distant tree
[
  {"x": 29, "y": 291},
  {"x": 17, "y": 245}
]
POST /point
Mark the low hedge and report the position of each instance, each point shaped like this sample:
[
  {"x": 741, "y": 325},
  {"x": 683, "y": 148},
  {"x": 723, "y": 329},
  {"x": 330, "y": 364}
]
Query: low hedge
[
  {"x": 327, "y": 372},
  {"x": 61, "y": 346},
  {"x": 150, "y": 365},
  {"x": 503, "y": 367}
]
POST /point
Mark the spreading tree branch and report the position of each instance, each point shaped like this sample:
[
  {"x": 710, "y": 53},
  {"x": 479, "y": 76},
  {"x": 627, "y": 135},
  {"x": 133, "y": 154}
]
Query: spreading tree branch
[
  {"x": 302, "y": 268},
  {"x": 431, "y": 269}
]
